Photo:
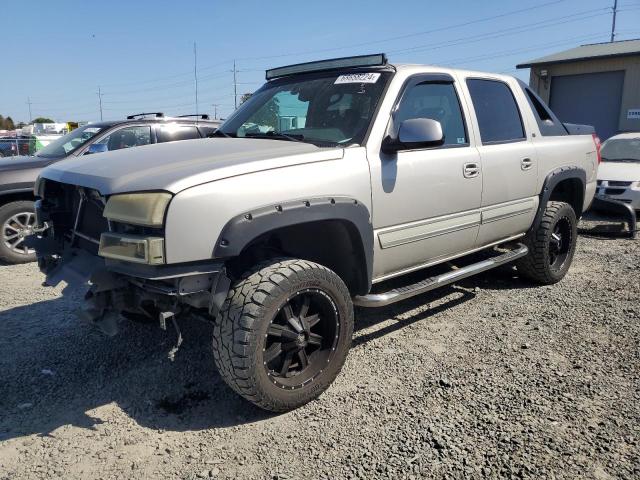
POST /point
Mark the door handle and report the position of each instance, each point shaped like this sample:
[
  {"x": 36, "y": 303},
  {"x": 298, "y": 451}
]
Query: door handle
[
  {"x": 526, "y": 164},
  {"x": 471, "y": 170}
]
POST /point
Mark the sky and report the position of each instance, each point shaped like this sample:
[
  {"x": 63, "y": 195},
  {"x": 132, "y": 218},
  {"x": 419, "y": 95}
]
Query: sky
[{"x": 140, "y": 54}]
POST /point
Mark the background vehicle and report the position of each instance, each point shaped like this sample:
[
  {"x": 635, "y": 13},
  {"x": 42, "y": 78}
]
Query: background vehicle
[
  {"x": 18, "y": 174},
  {"x": 19, "y": 145},
  {"x": 619, "y": 174},
  {"x": 276, "y": 229}
]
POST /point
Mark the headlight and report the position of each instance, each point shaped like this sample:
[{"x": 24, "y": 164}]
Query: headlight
[
  {"x": 146, "y": 209},
  {"x": 132, "y": 248}
]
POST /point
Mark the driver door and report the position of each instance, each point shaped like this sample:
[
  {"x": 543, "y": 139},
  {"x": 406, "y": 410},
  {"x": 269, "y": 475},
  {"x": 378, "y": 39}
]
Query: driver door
[{"x": 426, "y": 201}]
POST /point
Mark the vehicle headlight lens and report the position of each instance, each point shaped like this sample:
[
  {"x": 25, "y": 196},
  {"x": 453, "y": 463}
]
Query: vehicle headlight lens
[
  {"x": 132, "y": 248},
  {"x": 145, "y": 209}
]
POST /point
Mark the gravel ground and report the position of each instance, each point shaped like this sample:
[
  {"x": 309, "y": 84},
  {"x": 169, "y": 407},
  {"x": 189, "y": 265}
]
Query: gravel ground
[{"x": 489, "y": 378}]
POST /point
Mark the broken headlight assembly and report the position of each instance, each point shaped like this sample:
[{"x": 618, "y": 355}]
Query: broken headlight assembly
[{"x": 139, "y": 209}]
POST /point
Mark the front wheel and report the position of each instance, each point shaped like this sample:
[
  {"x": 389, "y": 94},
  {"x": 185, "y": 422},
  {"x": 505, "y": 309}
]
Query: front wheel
[
  {"x": 283, "y": 333},
  {"x": 17, "y": 221},
  {"x": 551, "y": 245}
]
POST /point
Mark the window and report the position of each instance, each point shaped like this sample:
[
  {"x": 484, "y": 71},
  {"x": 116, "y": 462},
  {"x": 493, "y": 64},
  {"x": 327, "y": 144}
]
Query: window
[
  {"x": 68, "y": 143},
  {"x": 127, "y": 137},
  {"x": 548, "y": 123},
  {"x": 206, "y": 131},
  {"x": 437, "y": 101},
  {"x": 497, "y": 112},
  {"x": 324, "y": 109},
  {"x": 174, "y": 132}
]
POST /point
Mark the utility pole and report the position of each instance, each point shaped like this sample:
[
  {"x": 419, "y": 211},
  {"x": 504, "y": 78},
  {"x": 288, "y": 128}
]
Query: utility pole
[
  {"x": 100, "y": 101},
  {"x": 235, "y": 86},
  {"x": 195, "y": 75},
  {"x": 613, "y": 23},
  {"x": 29, "y": 103},
  {"x": 215, "y": 110}
]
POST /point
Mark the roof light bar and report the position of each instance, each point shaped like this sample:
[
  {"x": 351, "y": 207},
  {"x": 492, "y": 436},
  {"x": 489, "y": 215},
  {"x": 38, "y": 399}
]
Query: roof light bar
[{"x": 376, "y": 60}]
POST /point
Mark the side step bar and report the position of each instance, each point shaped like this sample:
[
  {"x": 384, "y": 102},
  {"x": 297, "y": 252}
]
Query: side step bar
[{"x": 401, "y": 293}]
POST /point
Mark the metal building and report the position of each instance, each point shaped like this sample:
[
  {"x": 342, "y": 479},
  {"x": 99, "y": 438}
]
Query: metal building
[{"x": 597, "y": 84}]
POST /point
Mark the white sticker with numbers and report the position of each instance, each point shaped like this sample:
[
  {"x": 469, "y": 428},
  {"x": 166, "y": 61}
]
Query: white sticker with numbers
[{"x": 357, "y": 78}]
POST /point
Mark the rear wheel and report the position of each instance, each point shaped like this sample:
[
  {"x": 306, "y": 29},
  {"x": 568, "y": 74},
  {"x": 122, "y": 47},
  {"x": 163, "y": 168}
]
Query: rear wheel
[
  {"x": 551, "y": 245},
  {"x": 17, "y": 221},
  {"x": 283, "y": 334}
]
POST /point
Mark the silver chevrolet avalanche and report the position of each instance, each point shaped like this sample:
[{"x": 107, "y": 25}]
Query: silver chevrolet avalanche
[{"x": 333, "y": 178}]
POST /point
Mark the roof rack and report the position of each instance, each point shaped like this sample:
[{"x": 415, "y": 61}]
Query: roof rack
[
  {"x": 201, "y": 116},
  {"x": 379, "y": 59},
  {"x": 142, "y": 115}
]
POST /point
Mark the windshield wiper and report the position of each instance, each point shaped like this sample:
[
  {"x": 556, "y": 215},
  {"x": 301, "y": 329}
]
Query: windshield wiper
[{"x": 276, "y": 136}]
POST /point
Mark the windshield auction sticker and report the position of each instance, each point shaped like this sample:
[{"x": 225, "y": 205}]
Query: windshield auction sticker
[{"x": 357, "y": 78}]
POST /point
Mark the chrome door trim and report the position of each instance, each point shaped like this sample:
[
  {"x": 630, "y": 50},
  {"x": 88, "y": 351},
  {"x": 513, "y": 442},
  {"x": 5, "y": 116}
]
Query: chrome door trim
[
  {"x": 425, "y": 229},
  {"x": 506, "y": 210}
]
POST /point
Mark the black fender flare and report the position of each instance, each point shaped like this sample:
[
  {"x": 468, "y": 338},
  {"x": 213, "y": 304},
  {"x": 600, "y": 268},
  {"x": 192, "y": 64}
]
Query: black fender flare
[
  {"x": 551, "y": 181},
  {"x": 246, "y": 227}
]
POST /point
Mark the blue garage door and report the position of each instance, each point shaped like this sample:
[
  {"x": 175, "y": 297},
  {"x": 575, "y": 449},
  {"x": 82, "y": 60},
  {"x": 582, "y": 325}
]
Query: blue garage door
[{"x": 589, "y": 99}]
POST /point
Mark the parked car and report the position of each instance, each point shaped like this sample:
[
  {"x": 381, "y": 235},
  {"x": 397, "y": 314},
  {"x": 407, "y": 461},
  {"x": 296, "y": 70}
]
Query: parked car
[
  {"x": 18, "y": 174},
  {"x": 274, "y": 235},
  {"x": 619, "y": 174},
  {"x": 12, "y": 146}
]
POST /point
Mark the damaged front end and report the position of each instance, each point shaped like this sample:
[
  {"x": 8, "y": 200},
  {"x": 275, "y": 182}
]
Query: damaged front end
[{"x": 121, "y": 265}]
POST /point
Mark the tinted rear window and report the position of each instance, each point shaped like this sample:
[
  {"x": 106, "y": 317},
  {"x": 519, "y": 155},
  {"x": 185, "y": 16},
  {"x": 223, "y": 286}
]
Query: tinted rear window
[
  {"x": 171, "y": 133},
  {"x": 496, "y": 110}
]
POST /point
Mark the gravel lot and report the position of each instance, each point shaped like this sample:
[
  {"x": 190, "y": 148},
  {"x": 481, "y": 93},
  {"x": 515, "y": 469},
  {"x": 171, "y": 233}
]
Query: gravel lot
[{"x": 489, "y": 378}]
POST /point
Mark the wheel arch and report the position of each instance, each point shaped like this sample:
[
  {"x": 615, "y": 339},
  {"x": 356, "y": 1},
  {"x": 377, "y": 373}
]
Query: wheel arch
[
  {"x": 9, "y": 196},
  {"x": 333, "y": 231},
  {"x": 566, "y": 184}
]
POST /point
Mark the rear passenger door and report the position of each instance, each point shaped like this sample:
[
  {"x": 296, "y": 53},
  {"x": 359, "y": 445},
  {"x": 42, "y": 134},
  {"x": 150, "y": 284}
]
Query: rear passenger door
[{"x": 509, "y": 161}]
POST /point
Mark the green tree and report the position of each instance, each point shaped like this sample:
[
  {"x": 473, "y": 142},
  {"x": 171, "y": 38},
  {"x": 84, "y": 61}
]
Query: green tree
[
  {"x": 8, "y": 124},
  {"x": 42, "y": 120}
]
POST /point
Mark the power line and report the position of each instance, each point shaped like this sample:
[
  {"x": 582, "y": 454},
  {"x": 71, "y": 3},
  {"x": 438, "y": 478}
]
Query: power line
[
  {"x": 410, "y": 35},
  {"x": 552, "y": 22},
  {"x": 355, "y": 45}
]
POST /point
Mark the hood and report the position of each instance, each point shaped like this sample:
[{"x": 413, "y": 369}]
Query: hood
[
  {"x": 176, "y": 166},
  {"x": 621, "y": 171},
  {"x": 23, "y": 163}
]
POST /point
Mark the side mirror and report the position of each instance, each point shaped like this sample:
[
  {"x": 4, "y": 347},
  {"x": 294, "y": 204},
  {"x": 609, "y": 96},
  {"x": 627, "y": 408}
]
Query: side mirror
[
  {"x": 96, "y": 148},
  {"x": 415, "y": 133}
]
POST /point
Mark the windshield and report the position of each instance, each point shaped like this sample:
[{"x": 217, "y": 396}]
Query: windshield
[
  {"x": 324, "y": 109},
  {"x": 64, "y": 145},
  {"x": 621, "y": 150}
]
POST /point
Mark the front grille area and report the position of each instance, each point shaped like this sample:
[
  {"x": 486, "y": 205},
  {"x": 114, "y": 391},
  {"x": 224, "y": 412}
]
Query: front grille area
[
  {"x": 614, "y": 191},
  {"x": 76, "y": 214},
  {"x": 615, "y": 183}
]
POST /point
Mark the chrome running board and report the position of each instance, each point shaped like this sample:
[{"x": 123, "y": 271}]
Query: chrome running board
[{"x": 423, "y": 286}]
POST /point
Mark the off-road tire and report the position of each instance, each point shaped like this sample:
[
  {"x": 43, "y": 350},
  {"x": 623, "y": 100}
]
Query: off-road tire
[
  {"x": 536, "y": 266},
  {"x": 8, "y": 210},
  {"x": 240, "y": 330}
]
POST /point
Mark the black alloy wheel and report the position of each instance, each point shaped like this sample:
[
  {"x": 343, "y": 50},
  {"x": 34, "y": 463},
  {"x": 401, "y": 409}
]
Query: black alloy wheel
[
  {"x": 301, "y": 339},
  {"x": 560, "y": 243}
]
